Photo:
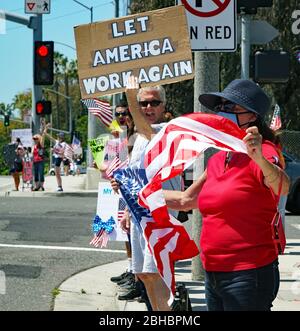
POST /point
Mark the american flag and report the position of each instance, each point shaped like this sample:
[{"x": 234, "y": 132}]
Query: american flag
[
  {"x": 68, "y": 152},
  {"x": 131, "y": 182},
  {"x": 99, "y": 108},
  {"x": 115, "y": 164},
  {"x": 276, "y": 119},
  {"x": 121, "y": 209},
  {"x": 168, "y": 154},
  {"x": 75, "y": 143}
]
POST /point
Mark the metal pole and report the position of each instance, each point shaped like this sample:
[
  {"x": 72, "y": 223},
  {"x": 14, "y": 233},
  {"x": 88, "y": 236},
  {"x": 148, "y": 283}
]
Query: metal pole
[
  {"x": 37, "y": 89},
  {"x": 206, "y": 80},
  {"x": 117, "y": 8},
  {"x": 117, "y": 97},
  {"x": 245, "y": 45},
  {"x": 69, "y": 99}
]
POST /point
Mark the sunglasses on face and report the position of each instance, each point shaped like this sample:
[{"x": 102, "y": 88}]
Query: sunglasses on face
[
  {"x": 226, "y": 106},
  {"x": 152, "y": 103},
  {"x": 121, "y": 114}
]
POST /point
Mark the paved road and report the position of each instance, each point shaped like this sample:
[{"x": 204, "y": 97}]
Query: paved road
[{"x": 33, "y": 268}]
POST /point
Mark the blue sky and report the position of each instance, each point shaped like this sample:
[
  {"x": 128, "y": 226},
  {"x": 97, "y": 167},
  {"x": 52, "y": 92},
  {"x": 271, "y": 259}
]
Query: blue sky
[{"x": 16, "y": 43}]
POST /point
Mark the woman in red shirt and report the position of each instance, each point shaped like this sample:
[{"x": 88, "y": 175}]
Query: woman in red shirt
[
  {"x": 38, "y": 162},
  {"x": 235, "y": 199}
]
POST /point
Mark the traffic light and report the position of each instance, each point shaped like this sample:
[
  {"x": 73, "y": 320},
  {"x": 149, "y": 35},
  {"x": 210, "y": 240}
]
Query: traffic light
[
  {"x": 271, "y": 66},
  {"x": 43, "y": 107},
  {"x": 43, "y": 62},
  {"x": 6, "y": 120}
]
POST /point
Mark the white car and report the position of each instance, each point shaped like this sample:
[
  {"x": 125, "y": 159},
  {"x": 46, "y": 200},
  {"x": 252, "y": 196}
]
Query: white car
[{"x": 62, "y": 173}]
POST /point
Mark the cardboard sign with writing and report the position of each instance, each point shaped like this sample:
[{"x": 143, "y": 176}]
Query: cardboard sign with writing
[{"x": 154, "y": 46}]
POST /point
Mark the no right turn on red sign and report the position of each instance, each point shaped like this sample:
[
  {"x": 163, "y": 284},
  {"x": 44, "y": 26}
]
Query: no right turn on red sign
[{"x": 212, "y": 24}]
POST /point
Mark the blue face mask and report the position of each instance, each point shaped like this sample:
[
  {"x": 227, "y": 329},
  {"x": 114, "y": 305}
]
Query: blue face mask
[{"x": 232, "y": 117}]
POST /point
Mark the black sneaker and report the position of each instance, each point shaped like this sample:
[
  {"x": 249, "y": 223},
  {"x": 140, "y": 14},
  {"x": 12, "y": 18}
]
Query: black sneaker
[
  {"x": 116, "y": 279},
  {"x": 130, "y": 295},
  {"x": 128, "y": 278},
  {"x": 128, "y": 285}
]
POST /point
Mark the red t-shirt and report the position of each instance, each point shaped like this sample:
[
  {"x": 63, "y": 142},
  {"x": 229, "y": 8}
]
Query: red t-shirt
[
  {"x": 237, "y": 210},
  {"x": 36, "y": 157}
]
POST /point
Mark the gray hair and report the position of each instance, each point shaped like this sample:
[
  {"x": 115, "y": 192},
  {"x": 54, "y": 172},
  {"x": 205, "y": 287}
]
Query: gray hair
[{"x": 159, "y": 88}]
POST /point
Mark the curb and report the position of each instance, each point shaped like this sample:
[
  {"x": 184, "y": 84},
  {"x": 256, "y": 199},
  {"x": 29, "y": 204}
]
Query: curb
[{"x": 20, "y": 194}]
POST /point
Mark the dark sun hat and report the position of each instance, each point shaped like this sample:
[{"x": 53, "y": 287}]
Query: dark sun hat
[{"x": 242, "y": 92}]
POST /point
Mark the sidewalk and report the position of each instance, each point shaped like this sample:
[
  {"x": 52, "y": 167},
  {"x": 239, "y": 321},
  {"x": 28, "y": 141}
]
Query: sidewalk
[
  {"x": 92, "y": 289},
  {"x": 72, "y": 185}
]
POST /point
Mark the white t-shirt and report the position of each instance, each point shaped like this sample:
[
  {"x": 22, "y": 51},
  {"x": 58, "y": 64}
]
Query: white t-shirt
[{"x": 59, "y": 149}]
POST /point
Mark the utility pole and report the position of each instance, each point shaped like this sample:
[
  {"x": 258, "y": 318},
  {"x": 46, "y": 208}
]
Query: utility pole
[
  {"x": 206, "y": 80},
  {"x": 92, "y": 125},
  {"x": 245, "y": 45},
  {"x": 37, "y": 91},
  {"x": 117, "y": 8}
]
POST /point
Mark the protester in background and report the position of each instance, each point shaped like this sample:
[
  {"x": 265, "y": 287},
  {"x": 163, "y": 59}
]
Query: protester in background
[
  {"x": 66, "y": 163},
  {"x": 126, "y": 280},
  {"x": 77, "y": 164},
  {"x": 58, "y": 154},
  {"x": 16, "y": 171},
  {"x": 121, "y": 111},
  {"x": 38, "y": 162},
  {"x": 18, "y": 142},
  {"x": 235, "y": 199}
]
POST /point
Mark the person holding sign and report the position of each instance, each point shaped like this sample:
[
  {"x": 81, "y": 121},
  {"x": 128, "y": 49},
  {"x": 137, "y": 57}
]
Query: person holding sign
[{"x": 147, "y": 107}]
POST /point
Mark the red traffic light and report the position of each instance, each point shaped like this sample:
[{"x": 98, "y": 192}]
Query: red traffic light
[
  {"x": 43, "y": 107},
  {"x": 42, "y": 51},
  {"x": 39, "y": 108},
  {"x": 43, "y": 62}
]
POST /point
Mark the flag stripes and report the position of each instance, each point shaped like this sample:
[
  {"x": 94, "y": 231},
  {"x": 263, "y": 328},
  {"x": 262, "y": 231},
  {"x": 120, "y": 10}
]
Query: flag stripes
[
  {"x": 115, "y": 164},
  {"x": 100, "y": 109},
  {"x": 276, "y": 119}
]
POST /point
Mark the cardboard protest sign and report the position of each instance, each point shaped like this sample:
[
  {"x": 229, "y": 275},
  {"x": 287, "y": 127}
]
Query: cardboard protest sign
[
  {"x": 24, "y": 134},
  {"x": 154, "y": 46},
  {"x": 97, "y": 147}
]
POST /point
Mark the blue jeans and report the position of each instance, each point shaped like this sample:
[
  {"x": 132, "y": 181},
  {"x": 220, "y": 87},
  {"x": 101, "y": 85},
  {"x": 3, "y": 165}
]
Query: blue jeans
[
  {"x": 39, "y": 171},
  {"x": 245, "y": 290}
]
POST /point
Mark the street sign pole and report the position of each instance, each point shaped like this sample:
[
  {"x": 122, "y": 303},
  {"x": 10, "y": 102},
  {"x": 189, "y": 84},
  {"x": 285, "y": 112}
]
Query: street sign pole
[
  {"x": 245, "y": 45},
  {"x": 206, "y": 80},
  {"x": 37, "y": 89}
]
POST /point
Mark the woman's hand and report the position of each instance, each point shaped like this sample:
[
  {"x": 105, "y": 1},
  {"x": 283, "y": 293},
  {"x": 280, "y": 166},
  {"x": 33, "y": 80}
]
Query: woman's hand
[
  {"x": 115, "y": 186},
  {"x": 253, "y": 141}
]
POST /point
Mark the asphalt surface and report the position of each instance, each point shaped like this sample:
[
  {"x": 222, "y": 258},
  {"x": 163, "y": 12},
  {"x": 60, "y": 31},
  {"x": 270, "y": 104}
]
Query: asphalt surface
[{"x": 44, "y": 241}]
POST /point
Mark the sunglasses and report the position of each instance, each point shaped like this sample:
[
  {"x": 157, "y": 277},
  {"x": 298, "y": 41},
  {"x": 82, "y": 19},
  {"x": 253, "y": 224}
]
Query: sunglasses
[
  {"x": 152, "y": 103},
  {"x": 121, "y": 114},
  {"x": 226, "y": 106}
]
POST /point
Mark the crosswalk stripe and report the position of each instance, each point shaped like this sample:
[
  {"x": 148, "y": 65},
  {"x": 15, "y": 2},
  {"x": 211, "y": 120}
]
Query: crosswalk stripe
[{"x": 64, "y": 248}]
